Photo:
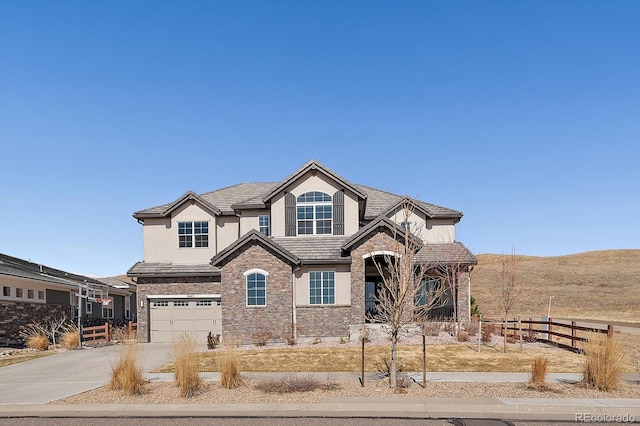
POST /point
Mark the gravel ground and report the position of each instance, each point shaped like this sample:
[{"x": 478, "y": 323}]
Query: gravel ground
[{"x": 167, "y": 392}]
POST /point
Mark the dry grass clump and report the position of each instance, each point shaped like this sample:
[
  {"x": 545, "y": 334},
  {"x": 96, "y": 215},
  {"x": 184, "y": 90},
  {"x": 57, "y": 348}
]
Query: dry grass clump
[
  {"x": 293, "y": 383},
  {"x": 539, "y": 369},
  {"x": 35, "y": 337},
  {"x": 487, "y": 333},
  {"x": 463, "y": 336},
  {"x": 230, "y": 377},
  {"x": 431, "y": 328},
  {"x": 261, "y": 336},
  {"x": 126, "y": 374},
  {"x": 69, "y": 336},
  {"x": 185, "y": 362},
  {"x": 604, "y": 362}
]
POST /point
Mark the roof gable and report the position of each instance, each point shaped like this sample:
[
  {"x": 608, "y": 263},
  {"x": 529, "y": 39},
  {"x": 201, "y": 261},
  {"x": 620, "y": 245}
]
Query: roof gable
[
  {"x": 380, "y": 224},
  {"x": 193, "y": 197},
  {"x": 313, "y": 165},
  {"x": 253, "y": 237}
]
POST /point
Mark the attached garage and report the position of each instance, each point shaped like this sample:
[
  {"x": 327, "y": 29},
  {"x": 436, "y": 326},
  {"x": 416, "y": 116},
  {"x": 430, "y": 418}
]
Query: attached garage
[{"x": 196, "y": 317}]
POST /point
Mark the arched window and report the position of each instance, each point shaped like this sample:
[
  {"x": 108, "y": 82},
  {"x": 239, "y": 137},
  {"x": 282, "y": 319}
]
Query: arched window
[
  {"x": 256, "y": 287},
  {"x": 315, "y": 213}
]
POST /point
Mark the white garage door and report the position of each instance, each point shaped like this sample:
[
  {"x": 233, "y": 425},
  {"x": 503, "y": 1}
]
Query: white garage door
[{"x": 195, "y": 317}]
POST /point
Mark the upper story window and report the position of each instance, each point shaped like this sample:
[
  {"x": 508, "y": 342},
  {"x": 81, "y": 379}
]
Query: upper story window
[
  {"x": 314, "y": 213},
  {"x": 265, "y": 224},
  {"x": 322, "y": 288},
  {"x": 193, "y": 234},
  {"x": 256, "y": 287}
]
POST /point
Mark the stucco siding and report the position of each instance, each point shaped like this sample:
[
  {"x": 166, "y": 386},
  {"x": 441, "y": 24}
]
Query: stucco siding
[
  {"x": 439, "y": 231},
  {"x": 250, "y": 220},
  {"x": 228, "y": 231}
]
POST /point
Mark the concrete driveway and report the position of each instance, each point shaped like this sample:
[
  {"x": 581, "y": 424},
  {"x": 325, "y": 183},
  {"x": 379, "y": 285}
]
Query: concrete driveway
[{"x": 57, "y": 376}]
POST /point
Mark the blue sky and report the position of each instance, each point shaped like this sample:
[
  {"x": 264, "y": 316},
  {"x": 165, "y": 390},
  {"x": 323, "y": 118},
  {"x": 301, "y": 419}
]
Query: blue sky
[{"x": 524, "y": 115}]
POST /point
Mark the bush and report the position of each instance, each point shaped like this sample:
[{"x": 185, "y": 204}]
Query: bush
[
  {"x": 126, "y": 374},
  {"x": 530, "y": 336},
  {"x": 69, "y": 336},
  {"x": 35, "y": 337},
  {"x": 230, "y": 377},
  {"x": 431, "y": 328},
  {"x": 292, "y": 383},
  {"x": 185, "y": 364},
  {"x": 487, "y": 333},
  {"x": 261, "y": 336},
  {"x": 472, "y": 327},
  {"x": 539, "y": 369},
  {"x": 463, "y": 336},
  {"x": 604, "y": 362},
  {"x": 289, "y": 336}
]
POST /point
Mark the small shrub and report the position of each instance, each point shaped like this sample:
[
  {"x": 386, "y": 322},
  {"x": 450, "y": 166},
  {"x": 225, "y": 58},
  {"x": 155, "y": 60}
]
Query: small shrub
[
  {"x": 530, "y": 336},
  {"x": 604, "y": 362},
  {"x": 213, "y": 340},
  {"x": 289, "y": 337},
  {"x": 343, "y": 340},
  {"x": 384, "y": 367},
  {"x": 185, "y": 364},
  {"x": 487, "y": 333},
  {"x": 261, "y": 336},
  {"x": 511, "y": 338},
  {"x": 292, "y": 383},
  {"x": 35, "y": 337},
  {"x": 539, "y": 369},
  {"x": 431, "y": 328},
  {"x": 69, "y": 336},
  {"x": 126, "y": 374},
  {"x": 230, "y": 377},
  {"x": 316, "y": 340},
  {"x": 472, "y": 327},
  {"x": 449, "y": 327},
  {"x": 463, "y": 336}
]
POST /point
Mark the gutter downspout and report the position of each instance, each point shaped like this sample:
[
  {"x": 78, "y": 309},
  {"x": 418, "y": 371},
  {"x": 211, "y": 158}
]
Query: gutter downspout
[{"x": 294, "y": 319}]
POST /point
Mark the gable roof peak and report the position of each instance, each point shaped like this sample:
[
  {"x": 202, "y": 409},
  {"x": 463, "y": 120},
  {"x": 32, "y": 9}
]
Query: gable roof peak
[
  {"x": 313, "y": 165},
  {"x": 190, "y": 196}
]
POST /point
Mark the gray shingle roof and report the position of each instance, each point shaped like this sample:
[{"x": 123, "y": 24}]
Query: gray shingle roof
[
  {"x": 318, "y": 248},
  {"x": 454, "y": 252},
  {"x": 253, "y": 237},
  {"x": 142, "y": 269}
]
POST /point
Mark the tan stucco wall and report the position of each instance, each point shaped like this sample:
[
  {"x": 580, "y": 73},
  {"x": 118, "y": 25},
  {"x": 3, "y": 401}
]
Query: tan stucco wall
[
  {"x": 249, "y": 220},
  {"x": 227, "y": 230},
  {"x": 342, "y": 283},
  {"x": 161, "y": 237},
  {"x": 432, "y": 231},
  {"x": 318, "y": 182}
]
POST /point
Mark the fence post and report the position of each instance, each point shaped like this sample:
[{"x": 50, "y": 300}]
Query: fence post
[
  {"x": 520, "y": 332},
  {"x": 549, "y": 329},
  {"x": 106, "y": 331},
  {"x": 573, "y": 334},
  {"x": 129, "y": 328},
  {"x": 610, "y": 330}
]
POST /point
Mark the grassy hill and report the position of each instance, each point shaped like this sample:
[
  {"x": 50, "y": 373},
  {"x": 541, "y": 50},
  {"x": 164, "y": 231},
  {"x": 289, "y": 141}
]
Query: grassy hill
[{"x": 591, "y": 285}]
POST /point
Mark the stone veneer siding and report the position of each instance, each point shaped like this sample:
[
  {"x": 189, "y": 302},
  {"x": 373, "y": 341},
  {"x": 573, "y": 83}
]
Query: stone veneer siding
[
  {"x": 464, "y": 289},
  {"x": 327, "y": 321},
  {"x": 176, "y": 285},
  {"x": 240, "y": 320},
  {"x": 16, "y": 315}
]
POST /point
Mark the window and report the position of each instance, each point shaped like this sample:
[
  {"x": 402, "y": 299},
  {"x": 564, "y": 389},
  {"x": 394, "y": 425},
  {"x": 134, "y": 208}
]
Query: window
[
  {"x": 406, "y": 226},
  {"x": 6, "y": 291},
  {"x": 89, "y": 308},
  {"x": 30, "y": 294},
  {"x": 263, "y": 223},
  {"x": 314, "y": 213},
  {"x": 181, "y": 303},
  {"x": 426, "y": 289},
  {"x": 107, "y": 312},
  {"x": 159, "y": 303},
  {"x": 127, "y": 307},
  {"x": 40, "y": 294},
  {"x": 193, "y": 234},
  {"x": 19, "y": 292},
  {"x": 256, "y": 289},
  {"x": 203, "y": 303},
  {"x": 322, "y": 288}
]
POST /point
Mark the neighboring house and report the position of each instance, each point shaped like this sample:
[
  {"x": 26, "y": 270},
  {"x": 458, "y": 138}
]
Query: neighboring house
[
  {"x": 36, "y": 293},
  {"x": 291, "y": 256}
]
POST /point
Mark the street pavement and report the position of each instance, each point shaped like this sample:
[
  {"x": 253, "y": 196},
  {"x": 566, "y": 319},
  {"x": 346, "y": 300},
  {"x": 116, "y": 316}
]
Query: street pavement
[{"x": 27, "y": 388}]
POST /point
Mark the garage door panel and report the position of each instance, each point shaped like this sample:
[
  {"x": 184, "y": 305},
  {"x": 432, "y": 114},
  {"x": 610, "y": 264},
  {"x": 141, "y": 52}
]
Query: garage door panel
[{"x": 169, "y": 318}]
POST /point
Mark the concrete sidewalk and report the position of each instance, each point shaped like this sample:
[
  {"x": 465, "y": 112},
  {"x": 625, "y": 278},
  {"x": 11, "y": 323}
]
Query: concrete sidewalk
[{"x": 512, "y": 409}]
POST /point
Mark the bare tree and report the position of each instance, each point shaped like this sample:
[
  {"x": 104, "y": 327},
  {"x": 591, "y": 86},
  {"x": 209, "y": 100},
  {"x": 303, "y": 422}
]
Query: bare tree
[
  {"x": 53, "y": 326},
  {"x": 510, "y": 285},
  {"x": 404, "y": 297}
]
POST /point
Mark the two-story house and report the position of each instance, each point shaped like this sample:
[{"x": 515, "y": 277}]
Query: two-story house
[{"x": 296, "y": 255}]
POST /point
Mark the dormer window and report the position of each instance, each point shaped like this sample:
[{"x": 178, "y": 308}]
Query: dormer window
[{"x": 315, "y": 213}]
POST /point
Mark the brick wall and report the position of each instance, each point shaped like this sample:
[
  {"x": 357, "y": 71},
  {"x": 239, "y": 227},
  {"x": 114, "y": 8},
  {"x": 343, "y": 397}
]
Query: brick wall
[
  {"x": 328, "y": 321},
  {"x": 240, "y": 320},
  {"x": 179, "y": 285},
  {"x": 14, "y": 315}
]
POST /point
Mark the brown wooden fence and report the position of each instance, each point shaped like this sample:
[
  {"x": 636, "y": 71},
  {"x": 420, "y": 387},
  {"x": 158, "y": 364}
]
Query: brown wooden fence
[
  {"x": 102, "y": 333},
  {"x": 546, "y": 330}
]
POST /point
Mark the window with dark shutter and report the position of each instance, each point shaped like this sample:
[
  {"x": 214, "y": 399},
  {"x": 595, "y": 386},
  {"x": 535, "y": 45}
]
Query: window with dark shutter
[
  {"x": 338, "y": 213},
  {"x": 289, "y": 215}
]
